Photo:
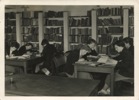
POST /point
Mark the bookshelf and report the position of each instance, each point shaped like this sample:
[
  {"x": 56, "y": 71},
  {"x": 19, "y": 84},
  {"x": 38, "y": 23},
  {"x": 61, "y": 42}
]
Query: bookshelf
[
  {"x": 30, "y": 28},
  {"x": 105, "y": 24},
  {"x": 56, "y": 29},
  {"x": 10, "y": 26},
  {"x": 131, "y": 21},
  {"x": 79, "y": 30},
  {"x": 109, "y": 26}
]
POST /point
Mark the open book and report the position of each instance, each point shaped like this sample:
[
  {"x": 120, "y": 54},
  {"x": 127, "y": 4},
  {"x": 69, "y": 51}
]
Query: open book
[{"x": 107, "y": 60}]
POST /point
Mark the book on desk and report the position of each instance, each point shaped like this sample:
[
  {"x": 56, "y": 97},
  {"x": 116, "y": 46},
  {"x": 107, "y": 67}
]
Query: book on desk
[{"x": 103, "y": 60}]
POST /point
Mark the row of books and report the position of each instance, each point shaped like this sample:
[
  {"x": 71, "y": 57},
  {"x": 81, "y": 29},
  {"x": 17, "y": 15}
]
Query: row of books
[
  {"x": 102, "y": 31},
  {"x": 78, "y": 39},
  {"x": 110, "y": 21},
  {"x": 30, "y": 38},
  {"x": 105, "y": 39},
  {"x": 29, "y": 30},
  {"x": 131, "y": 20},
  {"x": 110, "y": 11},
  {"x": 58, "y": 30},
  {"x": 53, "y": 22},
  {"x": 131, "y": 31},
  {"x": 53, "y": 37},
  {"x": 53, "y": 14},
  {"x": 131, "y": 11},
  {"x": 102, "y": 49},
  {"x": 10, "y": 29},
  {"x": 27, "y": 22},
  {"x": 10, "y": 15},
  {"x": 10, "y": 36},
  {"x": 112, "y": 30},
  {"x": 116, "y": 30},
  {"x": 80, "y": 31},
  {"x": 79, "y": 22},
  {"x": 10, "y": 22},
  {"x": 111, "y": 48},
  {"x": 73, "y": 47},
  {"x": 108, "y": 49},
  {"x": 30, "y": 14}
]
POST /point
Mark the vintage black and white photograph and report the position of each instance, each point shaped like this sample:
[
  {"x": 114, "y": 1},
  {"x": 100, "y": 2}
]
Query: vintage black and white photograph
[{"x": 69, "y": 50}]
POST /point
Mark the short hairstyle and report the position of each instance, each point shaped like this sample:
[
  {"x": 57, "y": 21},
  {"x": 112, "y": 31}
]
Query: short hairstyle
[
  {"x": 128, "y": 40},
  {"x": 119, "y": 43},
  {"x": 15, "y": 44},
  {"x": 91, "y": 41},
  {"x": 44, "y": 41}
]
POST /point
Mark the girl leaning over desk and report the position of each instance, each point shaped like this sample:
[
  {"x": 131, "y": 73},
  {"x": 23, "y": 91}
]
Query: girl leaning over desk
[
  {"x": 82, "y": 53},
  {"x": 124, "y": 69}
]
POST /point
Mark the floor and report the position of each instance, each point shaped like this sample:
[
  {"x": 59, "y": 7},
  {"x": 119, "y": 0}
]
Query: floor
[{"x": 124, "y": 89}]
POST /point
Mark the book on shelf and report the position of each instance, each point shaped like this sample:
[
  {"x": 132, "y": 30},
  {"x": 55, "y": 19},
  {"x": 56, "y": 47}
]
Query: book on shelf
[
  {"x": 30, "y": 38},
  {"x": 30, "y": 14},
  {"x": 110, "y": 11},
  {"x": 131, "y": 21},
  {"x": 10, "y": 15},
  {"x": 131, "y": 31},
  {"x": 28, "y": 22},
  {"x": 80, "y": 31},
  {"x": 53, "y": 22},
  {"x": 11, "y": 36},
  {"x": 75, "y": 46},
  {"x": 105, "y": 39},
  {"x": 115, "y": 30},
  {"x": 29, "y": 30},
  {"x": 102, "y": 49},
  {"x": 131, "y": 11},
  {"x": 74, "y": 38},
  {"x": 54, "y": 37},
  {"x": 58, "y": 30},
  {"x": 51, "y": 14},
  {"x": 79, "y": 22},
  {"x": 10, "y": 22},
  {"x": 110, "y": 21},
  {"x": 10, "y": 29}
]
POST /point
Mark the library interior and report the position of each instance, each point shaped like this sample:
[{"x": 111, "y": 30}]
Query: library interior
[{"x": 82, "y": 50}]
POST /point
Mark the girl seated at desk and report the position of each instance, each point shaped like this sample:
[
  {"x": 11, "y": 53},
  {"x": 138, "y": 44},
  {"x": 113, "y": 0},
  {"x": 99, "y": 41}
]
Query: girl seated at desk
[
  {"x": 13, "y": 51},
  {"x": 83, "y": 52},
  {"x": 25, "y": 49},
  {"x": 124, "y": 69}
]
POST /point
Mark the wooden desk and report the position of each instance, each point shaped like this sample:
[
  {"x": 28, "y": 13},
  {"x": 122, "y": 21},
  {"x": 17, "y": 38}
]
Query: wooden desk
[
  {"x": 21, "y": 62},
  {"x": 100, "y": 69},
  {"x": 42, "y": 85}
]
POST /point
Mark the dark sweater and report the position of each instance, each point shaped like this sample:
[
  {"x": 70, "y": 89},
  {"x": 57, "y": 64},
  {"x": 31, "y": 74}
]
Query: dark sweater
[
  {"x": 126, "y": 63},
  {"x": 74, "y": 57},
  {"x": 47, "y": 55}
]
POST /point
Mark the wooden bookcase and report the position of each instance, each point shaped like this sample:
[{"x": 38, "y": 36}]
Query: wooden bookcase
[
  {"x": 112, "y": 24},
  {"x": 10, "y": 26},
  {"x": 79, "y": 30},
  {"x": 105, "y": 24},
  {"x": 56, "y": 29}
]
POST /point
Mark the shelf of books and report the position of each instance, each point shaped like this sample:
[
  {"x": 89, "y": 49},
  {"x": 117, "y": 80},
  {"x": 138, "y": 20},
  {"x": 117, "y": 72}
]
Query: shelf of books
[
  {"x": 79, "y": 30},
  {"x": 131, "y": 22},
  {"x": 55, "y": 28},
  {"x": 109, "y": 26},
  {"x": 29, "y": 28},
  {"x": 10, "y": 26}
]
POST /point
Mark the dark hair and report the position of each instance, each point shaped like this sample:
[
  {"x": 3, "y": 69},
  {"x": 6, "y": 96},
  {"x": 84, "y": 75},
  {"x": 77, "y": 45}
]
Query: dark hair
[
  {"x": 91, "y": 41},
  {"x": 29, "y": 44},
  {"x": 15, "y": 44},
  {"x": 128, "y": 40},
  {"x": 44, "y": 41},
  {"x": 119, "y": 43}
]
